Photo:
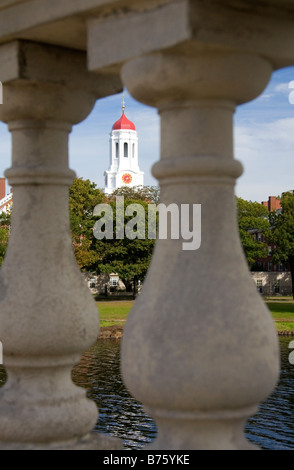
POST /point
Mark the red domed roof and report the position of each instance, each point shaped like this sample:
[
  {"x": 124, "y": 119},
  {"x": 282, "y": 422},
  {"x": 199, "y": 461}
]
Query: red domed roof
[{"x": 123, "y": 123}]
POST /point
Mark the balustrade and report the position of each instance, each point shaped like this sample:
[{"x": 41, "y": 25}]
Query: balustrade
[
  {"x": 48, "y": 317},
  {"x": 199, "y": 350}
]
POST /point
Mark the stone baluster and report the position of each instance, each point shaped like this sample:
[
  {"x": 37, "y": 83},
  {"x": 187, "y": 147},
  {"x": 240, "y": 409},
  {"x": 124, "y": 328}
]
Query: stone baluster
[
  {"x": 48, "y": 317},
  {"x": 200, "y": 349}
]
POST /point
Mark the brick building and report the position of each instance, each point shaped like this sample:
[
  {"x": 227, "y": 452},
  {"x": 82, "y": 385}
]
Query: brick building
[
  {"x": 272, "y": 204},
  {"x": 270, "y": 278},
  {"x": 5, "y": 199}
]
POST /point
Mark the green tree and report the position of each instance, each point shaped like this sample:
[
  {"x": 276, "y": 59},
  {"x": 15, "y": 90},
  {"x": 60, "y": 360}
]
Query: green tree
[
  {"x": 129, "y": 258},
  {"x": 252, "y": 217},
  {"x": 282, "y": 233},
  {"x": 145, "y": 193},
  {"x": 83, "y": 197},
  {"x": 4, "y": 234}
]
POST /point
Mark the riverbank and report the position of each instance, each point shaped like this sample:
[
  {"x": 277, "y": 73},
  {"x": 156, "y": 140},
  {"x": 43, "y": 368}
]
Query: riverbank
[
  {"x": 285, "y": 332},
  {"x": 111, "y": 332},
  {"x": 116, "y": 332},
  {"x": 113, "y": 315}
]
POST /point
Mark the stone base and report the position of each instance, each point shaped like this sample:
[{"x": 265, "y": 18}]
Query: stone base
[{"x": 92, "y": 441}]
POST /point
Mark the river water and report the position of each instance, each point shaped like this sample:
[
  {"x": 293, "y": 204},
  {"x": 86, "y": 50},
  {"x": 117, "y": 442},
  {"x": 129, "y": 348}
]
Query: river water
[{"x": 122, "y": 416}]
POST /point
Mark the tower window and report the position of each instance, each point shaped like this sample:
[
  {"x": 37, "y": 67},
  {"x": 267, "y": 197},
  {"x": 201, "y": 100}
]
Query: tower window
[
  {"x": 125, "y": 150},
  {"x": 133, "y": 150},
  {"x": 116, "y": 150}
]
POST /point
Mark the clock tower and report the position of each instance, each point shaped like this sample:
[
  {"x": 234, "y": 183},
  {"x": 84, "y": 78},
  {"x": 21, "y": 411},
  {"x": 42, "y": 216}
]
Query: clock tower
[{"x": 123, "y": 166}]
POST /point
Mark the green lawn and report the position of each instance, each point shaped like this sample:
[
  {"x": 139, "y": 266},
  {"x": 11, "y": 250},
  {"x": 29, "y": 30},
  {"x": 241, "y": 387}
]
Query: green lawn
[
  {"x": 280, "y": 298},
  {"x": 282, "y": 310},
  {"x": 114, "y": 312}
]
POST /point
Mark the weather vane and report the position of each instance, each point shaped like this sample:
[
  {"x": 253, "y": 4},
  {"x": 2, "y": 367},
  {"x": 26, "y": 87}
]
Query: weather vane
[{"x": 123, "y": 101}]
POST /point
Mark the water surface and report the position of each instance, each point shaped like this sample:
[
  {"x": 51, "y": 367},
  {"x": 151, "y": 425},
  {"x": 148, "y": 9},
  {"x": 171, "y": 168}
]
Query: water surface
[{"x": 122, "y": 416}]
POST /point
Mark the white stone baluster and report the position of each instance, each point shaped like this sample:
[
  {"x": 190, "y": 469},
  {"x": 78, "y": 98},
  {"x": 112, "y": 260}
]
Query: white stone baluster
[
  {"x": 200, "y": 349},
  {"x": 48, "y": 317}
]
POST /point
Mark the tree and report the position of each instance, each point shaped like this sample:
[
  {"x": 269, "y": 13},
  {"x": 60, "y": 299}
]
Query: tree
[
  {"x": 253, "y": 216},
  {"x": 129, "y": 258},
  {"x": 145, "y": 193},
  {"x": 4, "y": 234},
  {"x": 282, "y": 233},
  {"x": 83, "y": 197}
]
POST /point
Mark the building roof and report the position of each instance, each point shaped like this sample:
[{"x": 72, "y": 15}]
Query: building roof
[{"x": 123, "y": 123}]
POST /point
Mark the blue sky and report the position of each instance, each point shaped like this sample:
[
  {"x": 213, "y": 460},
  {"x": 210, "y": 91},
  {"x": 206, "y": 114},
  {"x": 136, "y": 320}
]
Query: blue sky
[{"x": 263, "y": 140}]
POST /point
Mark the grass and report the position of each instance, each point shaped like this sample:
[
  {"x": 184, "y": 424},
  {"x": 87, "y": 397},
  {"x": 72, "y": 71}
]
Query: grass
[
  {"x": 282, "y": 310},
  {"x": 114, "y": 313},
  {"x": 275, "y": 298},
  {"x": 284, "y": 326}
]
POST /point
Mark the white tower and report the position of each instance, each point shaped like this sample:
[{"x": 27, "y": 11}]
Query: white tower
[{"x": 124, "y": 166}]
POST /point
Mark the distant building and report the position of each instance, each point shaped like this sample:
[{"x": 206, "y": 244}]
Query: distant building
[
  {"x": 5, "y": 199},
  {"x": 104, "y": 283},
  {"x": 109, "y": 285},
  {"x": 272, "y": 204},
  {"x": 273, "y": 283},
  {"x": 270, "y": 278},
  {"x": 266, "y": 263},
  {"x": 124, "y": 166}
]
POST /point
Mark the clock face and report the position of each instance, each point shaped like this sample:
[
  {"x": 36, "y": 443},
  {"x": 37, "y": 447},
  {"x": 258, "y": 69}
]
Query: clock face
[{"x": 126, "y": 178}]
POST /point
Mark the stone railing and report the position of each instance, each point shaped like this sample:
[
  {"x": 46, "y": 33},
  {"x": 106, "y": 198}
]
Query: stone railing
[{"x": 199, "y": 349}]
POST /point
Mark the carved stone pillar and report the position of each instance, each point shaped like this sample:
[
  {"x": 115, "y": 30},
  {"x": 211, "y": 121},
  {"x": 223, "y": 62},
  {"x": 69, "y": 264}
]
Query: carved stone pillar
[
  {"x": 48, "y": 317},
  {"x": 200, "y": 349}
]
